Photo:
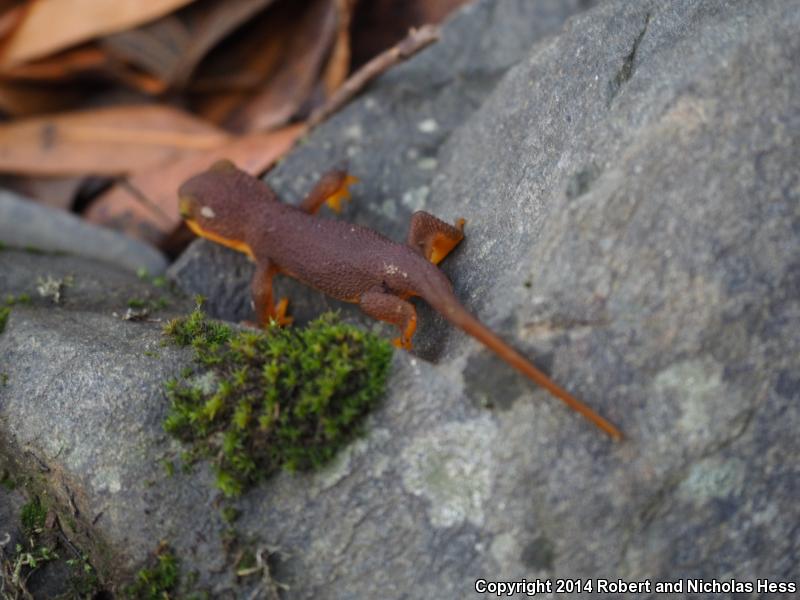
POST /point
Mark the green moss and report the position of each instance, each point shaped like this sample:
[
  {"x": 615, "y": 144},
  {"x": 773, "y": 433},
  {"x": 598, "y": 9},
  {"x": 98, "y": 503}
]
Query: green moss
[
  {"x": 33, "y": 516},
  {"x": 158, "y": 281},
  {"x": 7, "y": 481},
  {"x": 137, "y": 303},
  {"x": 229, "y": 514},
  {"x": 169, "y": 467},
  {"x": 150, "y": 304},
  {"x": 44, "y": 542},
  {"x": 282, "y": 398},
  {"x": 9, "y": 301},
  {"x": 17, "y": 567},
  {"x": 158, "y": 581}
]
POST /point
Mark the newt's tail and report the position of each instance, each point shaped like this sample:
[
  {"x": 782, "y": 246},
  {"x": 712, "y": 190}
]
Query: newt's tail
[{"x": 461, "y": 318}]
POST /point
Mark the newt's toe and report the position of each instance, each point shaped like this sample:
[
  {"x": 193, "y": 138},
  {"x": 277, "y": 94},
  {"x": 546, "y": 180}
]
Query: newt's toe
[
  {"x": 402, "y": 344},
  {"x": 334, "y": 201},
  {"x": 280, "y": 317}
]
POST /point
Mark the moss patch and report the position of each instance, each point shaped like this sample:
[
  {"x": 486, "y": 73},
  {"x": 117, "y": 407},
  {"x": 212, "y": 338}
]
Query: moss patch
[
  {"x": 33, "y": 516},
  {"x": 282, "y": 398},
  {"x": 157, "y": 581},
  {"x": 5, "y": 309}
]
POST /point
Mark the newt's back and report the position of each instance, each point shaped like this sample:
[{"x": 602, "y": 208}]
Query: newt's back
[{"x": 340, "y": 259}]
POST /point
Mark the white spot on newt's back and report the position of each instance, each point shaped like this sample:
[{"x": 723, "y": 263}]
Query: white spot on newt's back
[{"x": 207, "y": 212}]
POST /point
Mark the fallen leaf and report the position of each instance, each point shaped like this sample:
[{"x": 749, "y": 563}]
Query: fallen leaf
[
  {"x": 172, "y": 47},
  {"x": 23, "y": 99},
  {"x": 105, "y": 141},
  {"x": 145, "y": 206},
  {"x": 11, "y": 14},
  {"x": 86, "y": 62},
  {"x": 236, "y": 70},
  {"x": 52, "y": 25},
  {"x": 338, "y": 65},
  {"x": 59, "y": 66},
  {"x": 281, "y": 52}
]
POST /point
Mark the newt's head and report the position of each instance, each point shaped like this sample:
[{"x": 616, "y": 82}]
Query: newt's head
[{"x": 222, "y": 204}]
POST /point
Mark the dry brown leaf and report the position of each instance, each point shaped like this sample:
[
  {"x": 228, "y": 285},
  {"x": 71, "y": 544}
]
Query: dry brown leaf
[
  {"x": 52, "y": 25},
  {"x": 22, "y": 99},
  {"x": 11, "y": 14},
  {"x": 106, "y": 141},
  {"x": 291, "y": 85},
  {"x": 59, "y": 66},
  {"x": 172, "y": 47},
  {"x": 146, "y": 205},
  {"x": 236, "y": 70},
  {"x": 87, "y": 62},
  {"x": 282, "y": 52},
  {"x": 339, "y": 62}
]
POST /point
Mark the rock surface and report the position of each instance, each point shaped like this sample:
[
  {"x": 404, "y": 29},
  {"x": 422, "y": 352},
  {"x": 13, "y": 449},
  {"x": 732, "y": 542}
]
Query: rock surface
[
  {"x": 26, "y": 224},
  {"x": 78, "y": 380},
  {"x": 632, "y": 193}
]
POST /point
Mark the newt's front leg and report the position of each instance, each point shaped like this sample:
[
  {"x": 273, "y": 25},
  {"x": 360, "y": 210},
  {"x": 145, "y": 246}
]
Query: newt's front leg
[
  {"x": 391, "y": 309},
  {"x": 432, "y": 237},
  {"x": 332, "y": 188},
  {"x": 261, "y": 289}
]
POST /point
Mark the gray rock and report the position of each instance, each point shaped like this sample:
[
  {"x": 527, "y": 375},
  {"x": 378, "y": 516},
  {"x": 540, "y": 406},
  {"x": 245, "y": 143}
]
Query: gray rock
[
  {"x": 82, "y": 395},
  {"x": 632, "y": 194},
  {"x": 26, "y": 224}
]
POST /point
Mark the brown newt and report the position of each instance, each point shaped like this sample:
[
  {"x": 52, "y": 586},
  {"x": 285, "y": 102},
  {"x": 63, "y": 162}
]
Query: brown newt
[{"x": 346, "y": 261}]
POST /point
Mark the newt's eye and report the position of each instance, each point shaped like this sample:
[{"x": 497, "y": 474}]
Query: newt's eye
[{"x": 185, "y": 206}]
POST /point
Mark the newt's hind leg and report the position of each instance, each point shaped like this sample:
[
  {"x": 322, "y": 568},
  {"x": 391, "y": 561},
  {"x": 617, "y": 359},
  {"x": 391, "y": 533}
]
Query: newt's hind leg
[
  {"x": 394, "y": 310},
  {"x": 434, "y": 238},
  {"x": 261, "y": 289},
  {"x": 332, "y": 188}
]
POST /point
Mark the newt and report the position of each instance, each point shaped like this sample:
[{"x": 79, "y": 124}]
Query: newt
[{"x": 343, "y": 260}]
